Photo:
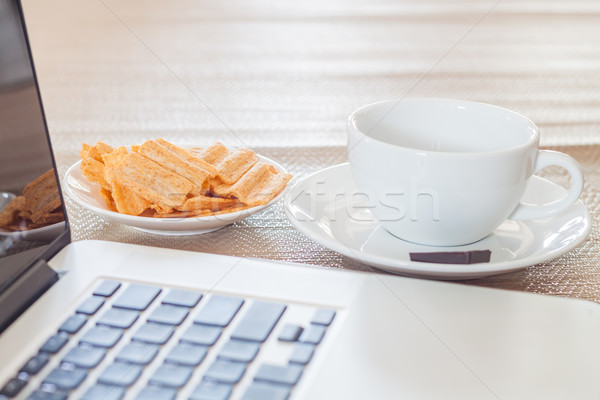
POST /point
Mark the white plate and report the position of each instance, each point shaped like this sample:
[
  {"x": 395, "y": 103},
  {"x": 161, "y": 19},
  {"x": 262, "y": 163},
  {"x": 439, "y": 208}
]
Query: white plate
[
  {"x": 87, "y": 194},
  {"x": 325, "y": 206}
]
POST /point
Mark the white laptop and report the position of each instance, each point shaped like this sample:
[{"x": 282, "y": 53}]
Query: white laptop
[{"x": 103, "y": 320}]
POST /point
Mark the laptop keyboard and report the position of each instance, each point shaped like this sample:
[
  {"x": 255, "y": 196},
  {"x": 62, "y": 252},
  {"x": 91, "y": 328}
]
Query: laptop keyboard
[{"x": 133, "y": 341}]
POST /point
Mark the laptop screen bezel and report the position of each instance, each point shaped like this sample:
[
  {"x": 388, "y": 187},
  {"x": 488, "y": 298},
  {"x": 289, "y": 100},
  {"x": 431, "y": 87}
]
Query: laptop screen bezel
[{"x": 46, "y": 252}]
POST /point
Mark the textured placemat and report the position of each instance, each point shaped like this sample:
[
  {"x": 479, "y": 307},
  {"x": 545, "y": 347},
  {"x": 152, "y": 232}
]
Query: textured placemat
[{"x": 270, "y": 235}]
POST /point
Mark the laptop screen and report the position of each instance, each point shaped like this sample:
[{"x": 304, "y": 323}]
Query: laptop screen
[{"x": 31, "y": 211}]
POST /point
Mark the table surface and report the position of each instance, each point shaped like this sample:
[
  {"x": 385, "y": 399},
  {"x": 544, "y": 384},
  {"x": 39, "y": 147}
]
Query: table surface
[{"x": 282, "y": 77}]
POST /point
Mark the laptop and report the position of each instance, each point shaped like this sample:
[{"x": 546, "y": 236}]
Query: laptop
[{"x": 103, "y": 320}]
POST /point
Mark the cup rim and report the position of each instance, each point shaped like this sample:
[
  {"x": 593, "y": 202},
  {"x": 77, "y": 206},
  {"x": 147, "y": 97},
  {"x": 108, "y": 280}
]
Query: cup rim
[{"x": 351, "y": 124}]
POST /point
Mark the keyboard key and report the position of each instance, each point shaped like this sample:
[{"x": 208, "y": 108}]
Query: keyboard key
[
  {"x": 211, "y": 391},
  {"x": 118, "y": 318},
  {"x": 137, "y": 353},
  {"x": 290, "y": 333},
  {"x": 54, "y": 343},
  {"x": 13, "y": 387},
  {"x": 90, "y": 305},
  {"x": 219, "y": 310},
  {"x": 120, "y": 374},
  {"x": 323, "y": 316},
  {"x": 102, "y": 336},
  {"x": 153, "y": 333},
  {"x": 73, "y": 324},
  {"x": 187, "y": 354},
  {"x": 182, "y": 298},
  {"x": 259, "y": 321},
  {"x": 226, "y": 371},
  {"x": 201, "y": 334},
  {"x": 137, "y": 297},
  {"x": 156, "y": 393},
  {"x": 302, "y": 353},
  {"x": 266, "y": 391},
  {"x": 107, "y": 288},
  {"x": 238, "y": 350},
  {"x": 66, "y": 379},
  {"x": 313, "y": 334},
  {"x": 41, "y": 395},
  {"x": 84, "y": 357},
  {"x": 103, "y": 392},
  {"x": 285, "y": 375},
  {"x": 169, "y": 315},
  {"x": 174, "y": 376},
  {"x": 35, "y": 363}
]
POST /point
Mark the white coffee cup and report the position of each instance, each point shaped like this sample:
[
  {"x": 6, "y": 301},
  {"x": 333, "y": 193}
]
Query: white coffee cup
[{"x": 447, "y": 172}]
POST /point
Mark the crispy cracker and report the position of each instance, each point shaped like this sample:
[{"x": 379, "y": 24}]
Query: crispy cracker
[
  {"x": 232, "y": 164},
  {"x": 213, "y": 154},
  {"x": 115, "y": 157},
  {"x": 128, "y": 202},
  {"x": 179, "y": 161},
  {"x": 39, "y": 206},
  {"x": 208, "y": 203},
  {"x": 11, "y": 212},
  {"x": 96, "y": 151},
  {"x": 108, "y": 199},
  {"x": 236, "y": 164},
  {"x": 48, "y": 219},
  {"x": 163, "y": 188},
  {"x": 213, "y": 171},
  {"x": 93, "y": 170},
  {"x": 41, "y": 196},
  {"x": 258, "y": 186},
  {"x": 85, "y": 148},
  {"x": 121, "y": 199}
]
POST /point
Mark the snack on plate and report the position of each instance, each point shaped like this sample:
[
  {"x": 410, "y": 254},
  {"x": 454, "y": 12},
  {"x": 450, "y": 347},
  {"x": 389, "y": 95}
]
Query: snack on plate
[
  {"x": 39, "y": 206},
  {"x": 162, "y": 180}
]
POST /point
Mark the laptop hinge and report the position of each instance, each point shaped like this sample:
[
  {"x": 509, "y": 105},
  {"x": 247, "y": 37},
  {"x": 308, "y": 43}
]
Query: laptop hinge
[{"x": 26, "y": 290}]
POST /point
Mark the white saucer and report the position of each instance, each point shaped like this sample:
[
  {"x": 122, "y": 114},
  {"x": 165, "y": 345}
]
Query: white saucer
[
  {"x": 326, "y": 208},
  {"x": 87, "y": 194}
]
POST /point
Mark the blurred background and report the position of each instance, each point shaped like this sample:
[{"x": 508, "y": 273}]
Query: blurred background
[{"x": 288, "y": 73}]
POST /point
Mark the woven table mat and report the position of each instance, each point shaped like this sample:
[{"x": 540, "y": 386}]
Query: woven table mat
[{"x": 270, "y": 235}]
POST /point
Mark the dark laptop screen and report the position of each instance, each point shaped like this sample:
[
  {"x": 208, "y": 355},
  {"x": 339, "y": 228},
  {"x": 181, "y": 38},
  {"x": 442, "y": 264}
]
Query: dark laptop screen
[{"x": 31, "y": 212}]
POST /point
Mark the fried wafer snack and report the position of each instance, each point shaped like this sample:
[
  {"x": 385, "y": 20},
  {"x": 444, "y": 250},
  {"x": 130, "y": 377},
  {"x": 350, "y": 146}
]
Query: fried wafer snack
[
  {"x": 159, "y": 179},
  {"x": 41, "y": 197},
  {"x": 93, "y": 170},
  {"x": 127, "y": 201},
  {"x": 212, "y": 154},
  {"x": 96, "y": 151},
  {"x": 115, "y": 158},
  {"x": 92, "y": 163},
  {"x": 164, "y": 189},
  {"x": 209, "y": 203},
  {"x": 39, "y": 206},
  {"x": 108, "y": 199},
  {"x": 11, "y": 212},
  {"x": 179, "y": 161},
  {"x": 257, "y": 186},
  {"x": 118, "y": 198},
  {"x": 231, "y": 165}
]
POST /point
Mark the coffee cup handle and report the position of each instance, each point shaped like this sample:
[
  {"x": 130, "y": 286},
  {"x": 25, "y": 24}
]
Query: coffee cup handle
[{"x": 547, "y": 158}]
